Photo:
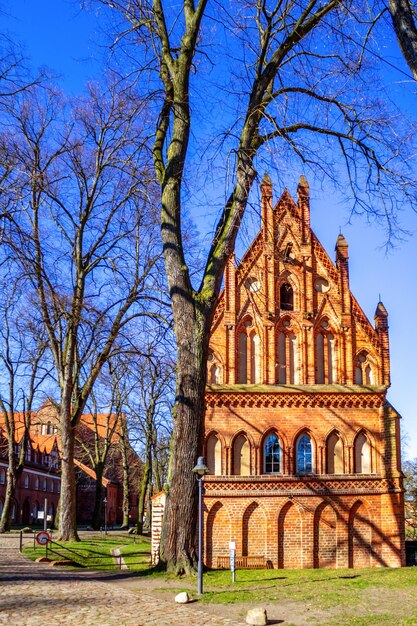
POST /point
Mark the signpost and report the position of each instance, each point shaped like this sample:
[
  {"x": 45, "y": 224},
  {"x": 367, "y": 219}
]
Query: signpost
[
  {"x": 232, "y": 548},
  {"x": 42, "y": 538}
]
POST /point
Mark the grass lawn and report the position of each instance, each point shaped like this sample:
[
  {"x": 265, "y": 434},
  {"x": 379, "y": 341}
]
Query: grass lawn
[
  {"x": 333, "y": 597},
  {"x": 94, "y": 552},
  {"x": 348, "y": 597}
]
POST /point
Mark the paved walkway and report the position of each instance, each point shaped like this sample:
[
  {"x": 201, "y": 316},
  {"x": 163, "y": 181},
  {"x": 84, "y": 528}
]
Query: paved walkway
[{"x": 35, "y": 593}]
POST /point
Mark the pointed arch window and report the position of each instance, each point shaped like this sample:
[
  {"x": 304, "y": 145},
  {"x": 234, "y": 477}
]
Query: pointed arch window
[
  {"x": 362, "y": 454},
  {"x": 255, "y": 358},
  {"x": 250, "y": 356},
  {"x": 2, "y": 476},
  {"x": 243, "y": 358},
  {"x": 334, "y": 454},
  {"x": 364, "y": 374},
  {"x": 214, "y": 455},
  {"x": 213, "y": 370},
  {"x": 287, "y": 358},
  {"x": 325, "y": 358},
  {"x": 304, "y": 455},
  {"x": 241, "y": 456},
  {"x": 286, "y": 297},
  {"x": 272, "y": 454}
]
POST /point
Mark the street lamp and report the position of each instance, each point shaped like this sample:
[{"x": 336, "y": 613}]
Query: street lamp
[
  {"x": 105, "y": 515},
  {"x": 199, "y": 470}
]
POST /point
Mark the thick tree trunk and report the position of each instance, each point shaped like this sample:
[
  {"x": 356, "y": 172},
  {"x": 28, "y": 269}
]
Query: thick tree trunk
[
  {"x": 6, "y": 517},
  {"x": 68, "y": 514},
  {"x": 179, "y": 540},
  {"x": 406, "y": 30},
  {"x": 98, "y": 502}
]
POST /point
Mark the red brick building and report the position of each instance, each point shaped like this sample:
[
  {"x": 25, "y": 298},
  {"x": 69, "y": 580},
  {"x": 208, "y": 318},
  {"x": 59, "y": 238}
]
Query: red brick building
[
  {"x": 302, "y": 444},
  {"x": 41, "y": 480}
]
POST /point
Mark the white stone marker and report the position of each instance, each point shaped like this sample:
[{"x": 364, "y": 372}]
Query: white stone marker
[{"x": 257, "y": 617}]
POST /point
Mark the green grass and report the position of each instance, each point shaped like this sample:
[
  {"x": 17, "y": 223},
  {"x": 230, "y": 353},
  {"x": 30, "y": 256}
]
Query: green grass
[
  {"x": 333, "y": 597},
  {"x": 94, "y": 553},
  {"x": 137, "y": 555},
  {"x": 346, "y": 597}
]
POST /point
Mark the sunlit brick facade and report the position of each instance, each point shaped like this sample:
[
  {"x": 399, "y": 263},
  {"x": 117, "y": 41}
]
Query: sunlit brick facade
[{"x": 302, "y": 445}]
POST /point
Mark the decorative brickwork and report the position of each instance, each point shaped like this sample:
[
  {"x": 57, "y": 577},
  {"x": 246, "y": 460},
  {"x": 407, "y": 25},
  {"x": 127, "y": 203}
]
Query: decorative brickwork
[{"x": 303, "y": 445}]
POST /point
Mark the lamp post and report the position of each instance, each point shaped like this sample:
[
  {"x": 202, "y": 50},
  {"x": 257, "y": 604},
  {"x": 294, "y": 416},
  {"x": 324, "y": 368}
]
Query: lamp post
[
  {"x": 105, "y": 515},
  {"x": 200, "y": 469}
]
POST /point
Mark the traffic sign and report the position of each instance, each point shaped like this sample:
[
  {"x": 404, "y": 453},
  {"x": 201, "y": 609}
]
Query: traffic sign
[{"x": 43, "y": 538}]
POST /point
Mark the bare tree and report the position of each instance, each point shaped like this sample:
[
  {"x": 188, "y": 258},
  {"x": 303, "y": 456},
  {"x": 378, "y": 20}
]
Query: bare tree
[
  {"x": 151, "y": 376},
  {"x": 84, "y": 236},
  {"x": 22, "y": 352},
  {"x": 97, "y": 435},
  {"x": 292, "y": 74}
]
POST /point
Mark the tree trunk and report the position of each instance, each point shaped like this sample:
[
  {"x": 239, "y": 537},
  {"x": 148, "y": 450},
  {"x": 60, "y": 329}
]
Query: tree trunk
[
  {"x": 126, "y": 487},
  {"x": 6, "y": 517},
  {"x": 179, "y": 534},
  {"x": 98, "y": 503},
  {"x": 144, "y": 485},
  {"x": 406, "y": 31},
  {"x": 68, "y": 514}
]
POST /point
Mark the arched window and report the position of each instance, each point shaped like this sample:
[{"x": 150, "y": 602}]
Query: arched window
[
  {"x": 59, "y": 487},
  {"x": 214, "y": 370},
  {"x": 35, "y": 511},
  {"x": 214, "y": 455},
  {"x": 2, "y": 476},
  {"x": 286, "y": 297},
  {"x": 334, "y": 451},
  {"x": 255, "y": 358},
  {"x": 13, "y": 514},
  {"x": 364, "y": 374},
  {"x": 37, "y": 482},
  {"x": 272, "y": 455},
  {"x": 44, "y": 485},
  {"x": 241, "y": 456},
  {"x": 243, "y": 356},
  {"x": 52, "y": 486},
  {"x": 325, "y": 358},
  {"x": 287, "y": 358},
  {"x": 250, "y": 360},
  {"x": 362, "y": 454},
  {"x": 1, "y": 508},
  {"x": 26, "y": 481},
  {"x": 304, "y": 455}
]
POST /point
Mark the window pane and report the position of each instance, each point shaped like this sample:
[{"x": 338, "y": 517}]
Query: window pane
[
  {"x": 272, "y": 453},
  {"x": 304, "y": 455}
]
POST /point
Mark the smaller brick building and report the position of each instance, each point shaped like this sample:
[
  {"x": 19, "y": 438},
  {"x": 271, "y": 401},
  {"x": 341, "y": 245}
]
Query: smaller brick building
[
  {"x": 302, "y": 443},
  {"x": 41, "y": 479}
]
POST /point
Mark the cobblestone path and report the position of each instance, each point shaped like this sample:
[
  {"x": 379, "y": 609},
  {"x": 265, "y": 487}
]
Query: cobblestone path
[{"x": 34, "y": 593}]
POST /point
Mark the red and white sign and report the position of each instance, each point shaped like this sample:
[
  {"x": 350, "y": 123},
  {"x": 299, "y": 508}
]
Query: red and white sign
[{"x": 42, "y": 538}]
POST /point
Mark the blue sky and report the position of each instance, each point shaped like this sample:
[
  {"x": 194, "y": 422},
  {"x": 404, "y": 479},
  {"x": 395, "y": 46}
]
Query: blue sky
[{"x": 58, "y": 34}]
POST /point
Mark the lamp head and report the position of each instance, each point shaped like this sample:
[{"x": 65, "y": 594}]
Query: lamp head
[{"x": 201, "y": 468}]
